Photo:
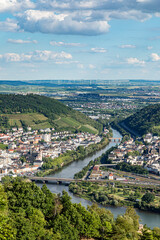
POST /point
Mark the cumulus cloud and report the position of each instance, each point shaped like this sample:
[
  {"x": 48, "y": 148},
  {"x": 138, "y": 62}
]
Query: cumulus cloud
[
  {"x": 35, "y": 56},
  {"x": 49, "y": 22},
  {"x": 155, "y": 57},
  {"x": 20, "y": 41},
  {"x": 135, "y": 61},
  {"x": 81, "y": 17},
  {"x": 59, "y": 44},
  {"x": 98, "y": 50},
  {"x": 127, "y": 46}
]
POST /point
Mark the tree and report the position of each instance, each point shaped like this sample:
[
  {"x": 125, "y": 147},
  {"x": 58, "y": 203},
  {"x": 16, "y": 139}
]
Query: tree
[
  {"x": 147, "y": 235},
  {"x": 66, "y": 201},
  {"x": 156, "y": 233},
  {"x": 22, "y": 159},
  {"x": 106, "y": 218},
  {"x": 148, "y": 197},
  {"x": 49, "y": 202},
  {"x": 7, "y": 230},
  {"x": 132, "y": 213},
  {"x": 125, "y": 228},
  {"x": 65, "y": 229}
]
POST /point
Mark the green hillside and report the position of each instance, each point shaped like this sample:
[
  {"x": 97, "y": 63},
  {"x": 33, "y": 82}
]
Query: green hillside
[
  {"x": 145, "y": 120},
  {"x": 42, "y": 112}
]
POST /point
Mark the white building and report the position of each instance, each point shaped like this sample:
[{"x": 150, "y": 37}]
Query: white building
[{"x": 46, "y": 137}]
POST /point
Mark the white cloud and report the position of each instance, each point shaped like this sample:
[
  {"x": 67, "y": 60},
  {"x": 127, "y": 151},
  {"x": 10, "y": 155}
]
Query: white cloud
[
  {"x": 98, "y": 50},
  {"x": 130, "y": 14},
  {"x": 128, "y": 46},
  {"x": 91, "y": 66},
  {"x": 75, "y": 17},
  {"x": 135, "y": 61},
  {"x": 155, "y": 57},
  {"x": 10, "y": 25},
  {"x": 59, "y": 44},
  {"x": 81, "y": 66},
  {"x": 149, "y": 47},
  {"x": 35, "y": 56},
  {"x": 157, "y": 14},
  {"x": 104, "y": 9},
  {"x": 49, "y": 22},
  {"x": 107, "y": 5},
  {"x": 15, "y": 5},
  {"x": 66, "y": 62},
  {"x": 20, "y": 41},
  {"x": 14, "y": 57},
  {"x": 143, "y": 1}
]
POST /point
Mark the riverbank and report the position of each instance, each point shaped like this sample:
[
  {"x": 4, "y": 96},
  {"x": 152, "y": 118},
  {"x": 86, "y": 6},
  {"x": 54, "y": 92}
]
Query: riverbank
[
  {"x": 150, "y": 218},
  {"x": 102, "y": 159},
  {"x": 119, "y": 194},
  {"x": 50, "y": 166}
]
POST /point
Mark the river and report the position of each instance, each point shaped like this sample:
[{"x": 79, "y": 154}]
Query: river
[{"x": 151, "y": 219}]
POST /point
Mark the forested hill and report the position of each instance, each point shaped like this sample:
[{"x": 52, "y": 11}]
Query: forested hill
[
  {"x": 11, "y": 103},
  {"x": 145, "y": 120},
  {"x": 30, "y": 213},
  {"x": 42, "y": 112}
]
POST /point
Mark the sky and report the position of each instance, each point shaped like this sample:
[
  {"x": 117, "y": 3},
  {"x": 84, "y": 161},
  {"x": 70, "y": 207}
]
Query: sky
[{"x": 79, "y": 39}]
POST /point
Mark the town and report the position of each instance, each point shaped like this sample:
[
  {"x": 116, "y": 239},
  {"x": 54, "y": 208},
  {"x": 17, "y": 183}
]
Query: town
[
  {"x": 23, "y": 151},
  {"x": 143, "y": 152}
]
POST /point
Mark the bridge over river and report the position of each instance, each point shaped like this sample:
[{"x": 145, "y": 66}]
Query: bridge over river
[
  {"x": 66, "y": 180},
  {"x": 61, "y": 180},
  {"x": 115, "y": 139}
]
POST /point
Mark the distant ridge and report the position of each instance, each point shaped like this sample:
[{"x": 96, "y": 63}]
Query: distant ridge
[
  {"x": 51, "y": 83},
  {"x": 14, "y": 83}
]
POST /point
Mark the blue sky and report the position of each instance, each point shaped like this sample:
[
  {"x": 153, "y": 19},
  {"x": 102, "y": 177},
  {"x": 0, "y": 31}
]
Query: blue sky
[{"x": 85, "y": 39}]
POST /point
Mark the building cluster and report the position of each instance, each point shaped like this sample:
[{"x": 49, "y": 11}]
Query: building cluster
[
  {"x": 145, "y": 153},
  {"x": 96, "y": 174},
  {"x": 109, "y": 105},
  {"x": 25, "y": 151}
]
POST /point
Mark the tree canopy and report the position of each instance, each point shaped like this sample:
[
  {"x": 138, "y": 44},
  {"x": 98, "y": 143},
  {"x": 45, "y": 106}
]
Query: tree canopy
[{"x": 30, "y": 213}]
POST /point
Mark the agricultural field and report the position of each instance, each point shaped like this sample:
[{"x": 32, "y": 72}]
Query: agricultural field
[
  {"x": 88, "y": 128},
  {"x": 34, "y": 120},
  {"x": 38, "y": 121},
  {"x": 69, "y": 122}
]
